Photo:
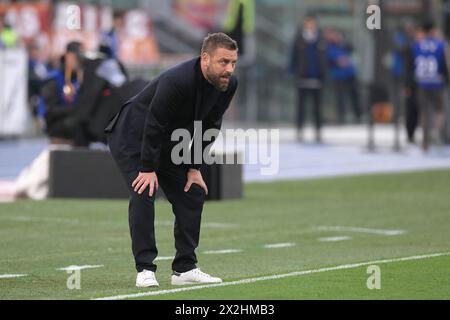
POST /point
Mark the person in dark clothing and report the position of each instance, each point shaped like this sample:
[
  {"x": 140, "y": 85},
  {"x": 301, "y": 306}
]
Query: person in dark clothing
[
  {"x": 139, "y": 138},
  {"x": 411, "y": 105},
  {"x": 83, "y": 95},
  {"x": 342, "y": 73},
  {"x": 102, "y": 76},
  {"x": 308, "y": 63},
  {"x": 59, "y": 93},
  {"x": 239, "y": 24},
  {"x": 110, "y": 88},
  {"x": 404, "y": 85}
]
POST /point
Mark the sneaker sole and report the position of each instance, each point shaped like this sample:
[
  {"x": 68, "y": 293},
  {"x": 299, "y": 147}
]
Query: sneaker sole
[{"x": 148, "y": 285}]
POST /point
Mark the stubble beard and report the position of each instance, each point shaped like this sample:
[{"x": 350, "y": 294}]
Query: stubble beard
[{"x": 218, "y": 81}]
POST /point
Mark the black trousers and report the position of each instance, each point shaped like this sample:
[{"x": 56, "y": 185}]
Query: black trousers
[
  {"x": 411, "y": 114},
  {"x": 186, "y": 206},
  {"x": 348, "y": 88},
  {"x": 430, "y": 102},
  {"x": 316, "y": 96}
]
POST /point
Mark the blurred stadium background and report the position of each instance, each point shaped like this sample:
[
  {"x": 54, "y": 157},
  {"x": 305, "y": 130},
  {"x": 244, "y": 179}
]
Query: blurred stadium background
[
  {"x": 154, "y": 35},
  {"x": 170, "y": 31}
]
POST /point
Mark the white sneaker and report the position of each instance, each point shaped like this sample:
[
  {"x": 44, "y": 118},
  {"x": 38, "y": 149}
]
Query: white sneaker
[
  {"x": 146, "y": 278},
  {"x": 193, "y": 276}
]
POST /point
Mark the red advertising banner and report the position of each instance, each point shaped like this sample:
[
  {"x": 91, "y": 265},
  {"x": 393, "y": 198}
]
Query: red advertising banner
[
  {"x": 30, "y": 20},
  {"x": 137, "y": 41},
  {"x": 202, "y": 13},
  {"x": 55, "y": 26},
  {"x": 74, "y": 23}
]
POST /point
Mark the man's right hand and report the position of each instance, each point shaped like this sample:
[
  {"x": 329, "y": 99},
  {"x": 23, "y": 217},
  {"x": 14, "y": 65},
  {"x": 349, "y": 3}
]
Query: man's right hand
[{"x": 144, "y": 180}]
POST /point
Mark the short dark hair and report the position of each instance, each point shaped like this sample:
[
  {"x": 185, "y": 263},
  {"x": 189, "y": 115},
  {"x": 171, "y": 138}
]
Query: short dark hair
[
  {"x": 311, "y": 16},
  {"x": 74, "y": 46},
  {"x": 427, "y": 25},
  {"x": 218, "y": 40},
  {"x": 117, "y": 15}
]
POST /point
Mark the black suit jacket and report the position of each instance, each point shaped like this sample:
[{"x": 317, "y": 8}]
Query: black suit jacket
[{"x": 174, "y": 99}]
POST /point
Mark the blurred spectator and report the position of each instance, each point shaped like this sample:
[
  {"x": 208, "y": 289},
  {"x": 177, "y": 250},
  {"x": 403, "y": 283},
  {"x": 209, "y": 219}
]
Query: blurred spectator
[
  {"x": 8, "y": 36},
  {"x": 308, "y": 63},
  {"x": 38, "y": 71},
  {"x": 403, "y": 75},
  {"x": 107, "y": 87},
  {"x": 101, "y": 87},
  {"x": 81, "y": 97},
  {"x": 240, "y": 25},
  {"x": 97, "y": 99},
  {"x": 431, "y": 75},
  {"x": 59, "y": 94},
  {"x": 343, "y": 74},
  {"x": 110, "y": 39}
]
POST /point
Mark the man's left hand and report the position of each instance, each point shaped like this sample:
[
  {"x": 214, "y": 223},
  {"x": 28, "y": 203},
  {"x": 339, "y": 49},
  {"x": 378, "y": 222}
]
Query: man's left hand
[{"x": 195, "y": 176}]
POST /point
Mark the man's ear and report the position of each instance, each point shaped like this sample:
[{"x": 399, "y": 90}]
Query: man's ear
[{"x": 205, "y": 57}]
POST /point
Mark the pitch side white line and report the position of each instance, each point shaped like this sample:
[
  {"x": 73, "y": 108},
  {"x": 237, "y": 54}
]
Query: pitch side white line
[
  {"x": 222, "y": 251},
  {"x": 362, "y": 230},
  {"x": 71, "y": 268},
  {"x": 164, "y": 258},
  {"x": 45, "y": 219},
  {"x": 274, "y": 277},
  {"x": 218, "y": 225},
  {"x": 9, "y": 276},
  {"x": 279, "y": 245},
  {"x": 334, "y": 239}
]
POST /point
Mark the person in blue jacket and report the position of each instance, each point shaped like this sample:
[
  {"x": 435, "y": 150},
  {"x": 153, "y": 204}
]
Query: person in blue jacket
[
  {"x": 307, "y": 62},
  {"x": 342, "y": 73},
  {"x": 110, "y": 39},
  {"x": 431, "y": 76}
]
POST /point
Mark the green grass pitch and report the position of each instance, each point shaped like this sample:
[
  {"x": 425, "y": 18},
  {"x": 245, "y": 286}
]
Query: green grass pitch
[{"x": 37, "y": 238}]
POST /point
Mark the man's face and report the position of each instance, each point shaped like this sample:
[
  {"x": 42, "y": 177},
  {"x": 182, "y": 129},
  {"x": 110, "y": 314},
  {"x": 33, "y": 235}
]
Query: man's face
[
  {"x": 220, "y": 65},
  {"x": 310, "y": 24},
  {"x": 72, "y": 61},
  {"x": 117, "y": 23},
  {"x": 34, "y": 52}
]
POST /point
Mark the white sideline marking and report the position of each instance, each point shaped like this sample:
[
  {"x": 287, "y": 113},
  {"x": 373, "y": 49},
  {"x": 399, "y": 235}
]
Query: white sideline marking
[
  {"x": 45, "y": 219},
  {"x": 9, "y": 276},
  {"x": 218, "y": 225},
  {"x": 279, "y": 245},
  {"x": 164, "y": 258},
  {"x": 222, "y": 251},
  {"x": 363, "y": 230},
  {"x": 72, "y": 268},
  {"x": 334, "y": 239},
  {"x": 22, "y": 218},
  {"x": 273, "y": 277}
]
